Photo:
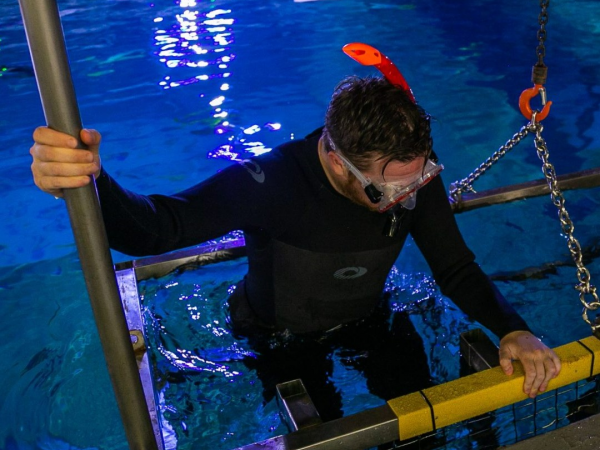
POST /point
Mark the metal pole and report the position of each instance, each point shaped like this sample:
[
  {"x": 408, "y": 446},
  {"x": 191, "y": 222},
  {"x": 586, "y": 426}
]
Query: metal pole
[{"x": 51, "y": 65}]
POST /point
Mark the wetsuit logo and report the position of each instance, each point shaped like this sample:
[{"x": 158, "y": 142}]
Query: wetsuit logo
[
  {"x": 254, "y": 169},
  {"x": 348, "y": 273}
]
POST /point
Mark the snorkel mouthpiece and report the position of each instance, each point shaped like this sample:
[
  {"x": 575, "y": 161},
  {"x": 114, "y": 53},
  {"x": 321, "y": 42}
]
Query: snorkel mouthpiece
[{"x": 373, "y": 193}]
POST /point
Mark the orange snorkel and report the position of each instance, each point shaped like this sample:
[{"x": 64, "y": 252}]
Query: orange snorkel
[{"x": 370, "y": 56}]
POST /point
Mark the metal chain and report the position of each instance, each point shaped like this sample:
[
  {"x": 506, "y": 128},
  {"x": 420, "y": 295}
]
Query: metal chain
[
  {"x": 466, "y": 184},
  {"x": 541, "y": 34},
  {"x": 583, "y": 275},
  {"x": 539, "y": 77},
  {"x": 457, "y": 188}
]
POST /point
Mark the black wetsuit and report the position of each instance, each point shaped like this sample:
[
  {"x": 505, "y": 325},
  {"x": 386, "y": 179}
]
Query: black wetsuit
[{"x": 316, "y": 259}]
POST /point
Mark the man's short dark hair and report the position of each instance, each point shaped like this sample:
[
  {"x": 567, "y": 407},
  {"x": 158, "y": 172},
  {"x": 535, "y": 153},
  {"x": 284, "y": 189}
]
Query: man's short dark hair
[{"x": 369, "y": 118}]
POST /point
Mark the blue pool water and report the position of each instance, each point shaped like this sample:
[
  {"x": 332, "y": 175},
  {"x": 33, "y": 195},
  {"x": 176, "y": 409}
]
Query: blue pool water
[{"x": 175, "y": 92}]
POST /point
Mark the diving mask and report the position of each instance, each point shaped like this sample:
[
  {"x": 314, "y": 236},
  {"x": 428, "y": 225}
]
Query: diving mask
[{"x": 388, "y": 194}]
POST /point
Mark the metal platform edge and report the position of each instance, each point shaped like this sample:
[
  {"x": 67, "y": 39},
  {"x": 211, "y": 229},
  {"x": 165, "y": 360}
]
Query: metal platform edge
[
  {"x": 189, "y": 258},
  {"x": 127, "y": 283}
]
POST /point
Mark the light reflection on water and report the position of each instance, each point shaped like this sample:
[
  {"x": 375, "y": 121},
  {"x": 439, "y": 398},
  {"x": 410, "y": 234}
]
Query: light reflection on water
[
  {"x": 197, "y": 45},
  {"x": 207, "y": 396}
]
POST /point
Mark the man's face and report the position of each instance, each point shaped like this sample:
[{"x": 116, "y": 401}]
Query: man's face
[{"x": 394, "y": 172}]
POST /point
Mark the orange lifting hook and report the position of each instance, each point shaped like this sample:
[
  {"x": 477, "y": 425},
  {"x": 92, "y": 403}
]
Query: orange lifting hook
[{"x": 525, "y": 108}]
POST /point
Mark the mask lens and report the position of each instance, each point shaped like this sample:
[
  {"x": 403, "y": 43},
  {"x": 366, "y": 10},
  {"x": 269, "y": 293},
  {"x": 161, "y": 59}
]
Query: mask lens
[{"x": 407, "y": 195}]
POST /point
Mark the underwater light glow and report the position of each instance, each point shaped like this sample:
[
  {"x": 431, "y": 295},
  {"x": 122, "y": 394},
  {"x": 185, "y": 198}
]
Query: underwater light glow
[
  {"x": 221, "y": 39},
  {"x": 224, "y": 152},
  {"x": 189, "y": 16},
  {"x": 256, "y": 148},
  {"x": 170, "y": 53},
  {"x": 198, "y": 50},
  {"x": 198, "y": 64},
  {"x": 189, "y": 27},
  {"x": 273, "y": 126},
  {"x": 217, "y": 101},
  {"x": 190, "y": 36},
  {"x": 166, "y": 39},
  {"x": 217, "y": 22},
  {"x": 217, "y": 12},
  {"x": 252, "y": 129}
]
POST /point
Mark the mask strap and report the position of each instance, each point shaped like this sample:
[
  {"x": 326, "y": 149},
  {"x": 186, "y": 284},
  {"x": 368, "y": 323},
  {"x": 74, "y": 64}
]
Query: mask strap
[{"x": 372, "y": 192}]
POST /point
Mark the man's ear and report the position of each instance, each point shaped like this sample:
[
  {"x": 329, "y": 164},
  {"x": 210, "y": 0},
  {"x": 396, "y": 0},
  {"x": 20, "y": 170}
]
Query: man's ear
[{"x": 335, "y": 163}]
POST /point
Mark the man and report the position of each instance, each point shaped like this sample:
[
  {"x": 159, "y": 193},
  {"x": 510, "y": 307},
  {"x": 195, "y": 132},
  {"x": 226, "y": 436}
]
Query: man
[{"x": 324, "y": 219}]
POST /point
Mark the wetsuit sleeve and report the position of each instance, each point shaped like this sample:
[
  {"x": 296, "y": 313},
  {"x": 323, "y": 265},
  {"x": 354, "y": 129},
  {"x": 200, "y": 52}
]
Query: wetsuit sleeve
[
  {"x": 147, "y": 225},
  {"x": 453, "y": 265}
]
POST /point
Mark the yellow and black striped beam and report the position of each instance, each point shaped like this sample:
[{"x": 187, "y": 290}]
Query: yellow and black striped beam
[{"x": 437, "y": 407}]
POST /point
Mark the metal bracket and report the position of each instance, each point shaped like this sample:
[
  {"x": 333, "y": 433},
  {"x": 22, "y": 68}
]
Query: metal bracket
[
  {"x": 139, "y": 345},
  {"x": 296, "y": 406},
  {"x": 478, "y": 351}
]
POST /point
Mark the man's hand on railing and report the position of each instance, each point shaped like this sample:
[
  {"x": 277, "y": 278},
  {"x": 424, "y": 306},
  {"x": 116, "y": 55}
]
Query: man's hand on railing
[{"x": 540, "y": 363}]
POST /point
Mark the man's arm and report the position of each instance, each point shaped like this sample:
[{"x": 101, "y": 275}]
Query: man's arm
[
  {"x": 453, "y": 266},
  {"x": 135, "y": 224},
  {"x": 143, "y": 225}
]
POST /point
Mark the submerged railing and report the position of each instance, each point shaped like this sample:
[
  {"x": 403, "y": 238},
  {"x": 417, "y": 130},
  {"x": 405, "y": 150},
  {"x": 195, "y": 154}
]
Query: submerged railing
[{"x": 584, "y": 179}]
